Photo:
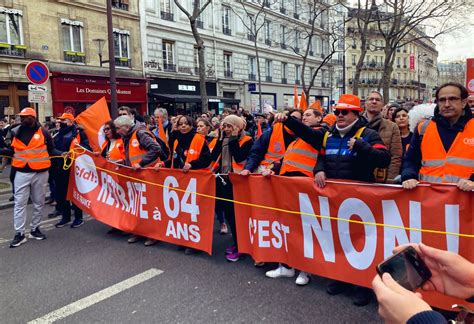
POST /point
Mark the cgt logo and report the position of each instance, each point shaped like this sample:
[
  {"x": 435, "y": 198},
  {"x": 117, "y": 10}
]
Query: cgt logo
[
  {"x": 469, "y": 141},
  {"x": 86, "y": 174}
]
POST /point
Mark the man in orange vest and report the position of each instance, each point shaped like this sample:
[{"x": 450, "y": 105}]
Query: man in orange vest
[
  {"x": 141, "y": 150},
  {"x": 31, "y": 147},
  {"x": 442, "y": 149}
]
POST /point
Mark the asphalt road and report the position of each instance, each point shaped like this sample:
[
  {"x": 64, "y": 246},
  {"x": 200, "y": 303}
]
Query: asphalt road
[{"x": 40, "y": 277}]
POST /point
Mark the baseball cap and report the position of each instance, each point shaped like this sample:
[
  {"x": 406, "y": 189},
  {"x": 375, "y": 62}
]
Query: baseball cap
[
  {"x": 28, "y": 111},
  {"x": 65, "y": 116}
]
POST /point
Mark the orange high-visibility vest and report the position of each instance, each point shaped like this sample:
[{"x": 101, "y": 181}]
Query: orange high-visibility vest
[
  {"x": 75, "y": 141},
  {"x": 276, "y": 147},
  {"x": 440, "y": 166},
  {"x": 237, "y": 167},
  {"x": 35, "y": 154},
  {"x": 300, "y": 156},
  {"x": 194, "y": 150},
  {"x": 117, "y": 151},
  {"x": 212, "y": 144},
  {"x": 135, "y": 152}
]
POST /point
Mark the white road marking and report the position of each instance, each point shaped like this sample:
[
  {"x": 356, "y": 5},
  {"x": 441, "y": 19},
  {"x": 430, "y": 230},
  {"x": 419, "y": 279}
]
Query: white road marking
[{"x": 97, "y": 297}]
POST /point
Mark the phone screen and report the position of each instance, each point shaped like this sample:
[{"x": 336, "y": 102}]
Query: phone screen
[{"x": 406, "y": 268}]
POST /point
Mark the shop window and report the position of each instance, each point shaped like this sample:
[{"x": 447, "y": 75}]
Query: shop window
[
  {"x": 168, "y": 56},
  {"x": 11, "y": 33},
  {"x": 120, "y": 4},
  {"x": 121, "y": 48},
  {"x": 72, "y": 41}
]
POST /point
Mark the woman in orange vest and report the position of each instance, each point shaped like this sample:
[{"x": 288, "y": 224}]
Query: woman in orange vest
[
  {"x": 112, "y": 149},
  {"x": 204, "y": 127},
  {"x": 230, "y": 154},
  {"x": 189, "y": 149}
]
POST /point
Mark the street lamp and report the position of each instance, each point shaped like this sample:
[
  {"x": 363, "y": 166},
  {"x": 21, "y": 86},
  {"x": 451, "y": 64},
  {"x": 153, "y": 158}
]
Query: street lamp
[
  {"x": 419, "y": 85},
  {"x": 100, "y": 42}
]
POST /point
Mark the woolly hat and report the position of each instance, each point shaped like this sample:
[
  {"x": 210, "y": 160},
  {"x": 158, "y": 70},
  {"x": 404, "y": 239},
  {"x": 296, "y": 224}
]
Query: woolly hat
[{"x": 235, "y": 121}]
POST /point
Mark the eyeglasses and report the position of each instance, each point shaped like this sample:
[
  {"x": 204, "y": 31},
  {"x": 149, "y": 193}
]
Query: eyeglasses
[
  {"x": 342, "y": 112},
  {"x": 450, "y": 99}
]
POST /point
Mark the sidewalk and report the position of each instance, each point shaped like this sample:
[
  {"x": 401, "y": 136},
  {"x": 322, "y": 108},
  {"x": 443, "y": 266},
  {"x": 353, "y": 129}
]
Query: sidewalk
[{"x": 6, "y": 193}]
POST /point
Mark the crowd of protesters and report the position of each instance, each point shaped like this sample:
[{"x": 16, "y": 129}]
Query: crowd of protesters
[{"x": 370, "y": 142}]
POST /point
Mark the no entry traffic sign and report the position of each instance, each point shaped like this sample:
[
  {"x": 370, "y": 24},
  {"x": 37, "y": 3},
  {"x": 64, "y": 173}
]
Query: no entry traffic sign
[{"x": 37, "y": 72}]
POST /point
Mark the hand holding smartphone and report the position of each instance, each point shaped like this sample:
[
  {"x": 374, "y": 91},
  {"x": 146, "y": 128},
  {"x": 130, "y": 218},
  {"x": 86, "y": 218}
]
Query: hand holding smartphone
[{"x": 407, "y": 268}]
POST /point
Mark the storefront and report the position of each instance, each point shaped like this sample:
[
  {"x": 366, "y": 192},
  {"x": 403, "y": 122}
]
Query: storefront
[
  {"x": 13, "y": 97},
  {"x": 184, "y": 97},
  {"x": 80, "y": 91}
]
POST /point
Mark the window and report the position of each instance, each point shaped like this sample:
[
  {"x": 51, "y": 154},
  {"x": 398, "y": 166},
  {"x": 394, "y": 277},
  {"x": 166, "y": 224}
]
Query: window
[
  {"x": 72, "y": 40},
  {"x": 121, "y": 47},
  {"x": 166, "y": 10},
  {"x": 252, "y": 68},
  {"x": 310, "y": 46},
  {"x": 226, "y": 20},
  {"x": 297, "y": 41},
  {"x": 268, "y": 70},
  {"x": 296, "y": 5},
  {"x": 11, "y": 32},
  {"x": 398, "y": 62},
  {"x": 168, "y": 56},
  {"x": 227, "y": 64},
  {"x": 297, "y": 73},
  {"x": 268, "y": 32},
  {"x": 283, "y": 6},
  {"x": 120, "y": 4},
  {"x": 283, "y": 36},
  {"x": 284, "y": 73},
  {"x": 196, "y": 61},
  {"x": 199, "y": 21},
  {"x": 353, "y": 59},
  {"x": 250, "y": 34},
  {"x": 404, "y": 62}
]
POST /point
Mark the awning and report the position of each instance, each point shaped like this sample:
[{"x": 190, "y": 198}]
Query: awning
[{"x": 192, "y": 98}]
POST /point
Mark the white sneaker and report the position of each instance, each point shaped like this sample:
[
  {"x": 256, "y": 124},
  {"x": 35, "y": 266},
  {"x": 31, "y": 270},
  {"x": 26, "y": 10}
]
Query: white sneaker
[
  {"x": 281, "y": 271},
  {"x": 303, "y": 279}
]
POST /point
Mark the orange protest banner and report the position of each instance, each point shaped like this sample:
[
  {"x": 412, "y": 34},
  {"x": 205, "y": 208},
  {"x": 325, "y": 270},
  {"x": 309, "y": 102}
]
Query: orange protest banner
[
  {"x": 470, "y": 75},
  {"x": 333, "y": 247},
  {"x": 93, "y": 119},
  {"x": 165, "y": 206}
]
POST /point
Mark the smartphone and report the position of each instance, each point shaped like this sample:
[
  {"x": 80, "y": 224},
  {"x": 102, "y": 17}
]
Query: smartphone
[{"x": 407, "y": 268}]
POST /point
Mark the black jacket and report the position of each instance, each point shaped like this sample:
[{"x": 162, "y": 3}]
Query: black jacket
[
  {"x": 336, "y": 160},
  {"x": 179, "y": 154},
  {"x": 238, "y": 153}
]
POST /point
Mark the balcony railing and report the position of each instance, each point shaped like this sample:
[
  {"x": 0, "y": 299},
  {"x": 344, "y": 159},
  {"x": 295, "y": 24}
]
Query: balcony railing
[
  {"x": 268, "y": 78},
  {"x": 12, "y": 50},
  {"x": 296, "y": 15},
  {"x": 123, "y": 62},
  {"x": 251, "y": 37},
  {"x": 169, "y": 67},
  {"x": 116, "y": 4},
  {"x": 284, "y": 80},
  {"x": 283, "y": 10},
  {"x": 311, "y": 53},
  {"x": 297, "y": 81},
  {"x": 167, "y": 16},
  {"x": 252, "y": 76},
  {"x": 200, "y": 24},
  {"x": 296, "y": 49},
  {"x": 227, "y": 31},
  {"x": 75, "y": 57},
  {"x": 283, "y": 45},
  {"x": 268, "y": 42},
  {"x": 228, "y": 74}
]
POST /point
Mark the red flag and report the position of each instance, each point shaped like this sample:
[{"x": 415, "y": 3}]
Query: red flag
[
  {"x": 303, "y": 102},
  {"x": 259, "y": 129},
  {"x": 295, "y": 98},
  {"x": 93, "y": 120},
  {"x": 316, "y": 105}
]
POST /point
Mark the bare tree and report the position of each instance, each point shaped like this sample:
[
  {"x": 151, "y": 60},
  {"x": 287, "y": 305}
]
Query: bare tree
[
  {"x": 326, "y": 23},
  {"x": 253, "y": 17},
  {"x": 401, "y": 22},
  {"x": 198, "y": 9}
]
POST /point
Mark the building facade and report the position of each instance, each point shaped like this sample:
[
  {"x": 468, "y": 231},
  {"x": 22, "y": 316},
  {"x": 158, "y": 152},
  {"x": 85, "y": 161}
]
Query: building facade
[
  {"x": 68, "y": 36},
  {"x": 452, "y": 71},
  {"x": 414, "y": 75},
  {"x": 171, "y": 64}
]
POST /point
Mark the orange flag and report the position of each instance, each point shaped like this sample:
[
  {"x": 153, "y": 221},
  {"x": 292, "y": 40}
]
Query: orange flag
[
  {"x": 259, "y": 129},
  {"x": 295, "y": 98},
  {"x": 303, "y": 102},
  {"x": 161, "y": 132},
  {"x": 93, "y": 120},
  {"x": 316, "y": 105}
]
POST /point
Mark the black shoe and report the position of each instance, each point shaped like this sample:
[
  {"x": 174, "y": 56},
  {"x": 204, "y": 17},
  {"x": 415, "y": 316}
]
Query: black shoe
[
  {"x": 54, "y": 214},
  {"x": 337, "y": 287},
  {"x": 190, "y": 251},
  {"x": 18, "y": 240},
  {"x": 62, "y": 223},
  {"x": 12, "y": 198},
  {"x": 37, "y": 235},
  {"x": 362, "y": 296},
  {"x": 49, "y": 201},
  {"x": 77, "y": 223}
]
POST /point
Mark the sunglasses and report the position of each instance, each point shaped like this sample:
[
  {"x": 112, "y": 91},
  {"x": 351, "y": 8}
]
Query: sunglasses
[
  {"x": 106, "y": 129},
  {"x": 124, "y": 114},
  {"x": 342, "y": 112}
]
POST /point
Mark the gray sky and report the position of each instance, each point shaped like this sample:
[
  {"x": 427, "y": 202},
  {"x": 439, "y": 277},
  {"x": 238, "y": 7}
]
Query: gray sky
[{"x": 458, "y": 46}]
